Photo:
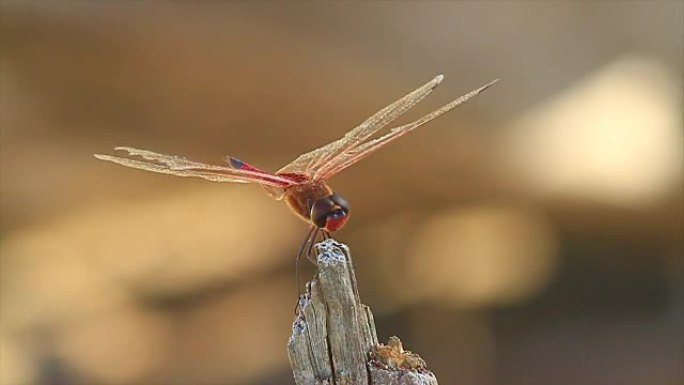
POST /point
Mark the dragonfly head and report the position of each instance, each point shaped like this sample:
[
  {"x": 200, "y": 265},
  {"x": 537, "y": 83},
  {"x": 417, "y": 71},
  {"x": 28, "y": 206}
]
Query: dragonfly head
[{"x": 330, "y": 213}]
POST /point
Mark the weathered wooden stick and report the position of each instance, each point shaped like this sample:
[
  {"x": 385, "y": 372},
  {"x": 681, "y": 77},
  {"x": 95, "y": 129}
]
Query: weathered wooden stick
[{"x": 333, "y": 338}]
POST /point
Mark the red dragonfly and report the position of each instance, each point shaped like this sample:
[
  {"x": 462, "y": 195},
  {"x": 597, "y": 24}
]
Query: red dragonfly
[{"x": 303, "y": 182}]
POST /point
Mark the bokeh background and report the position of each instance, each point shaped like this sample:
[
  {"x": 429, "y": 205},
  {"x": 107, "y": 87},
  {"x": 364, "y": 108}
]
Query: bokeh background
[{"x": 532, "y": 236}]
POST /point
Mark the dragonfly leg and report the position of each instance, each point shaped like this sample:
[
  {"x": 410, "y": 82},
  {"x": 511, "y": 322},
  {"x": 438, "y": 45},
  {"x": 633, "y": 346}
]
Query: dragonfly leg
[
  {"x": 310, "y": 253},
  {"x": 307, "y": 240}
]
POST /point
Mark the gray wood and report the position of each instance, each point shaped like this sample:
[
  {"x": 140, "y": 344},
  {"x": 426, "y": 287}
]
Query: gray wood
[
  {"x": 401, "y": 377},
  {"x": 333, "y": 338}
]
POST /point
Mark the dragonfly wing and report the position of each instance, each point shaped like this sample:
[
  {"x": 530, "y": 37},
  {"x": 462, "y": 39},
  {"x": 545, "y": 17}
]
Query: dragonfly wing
[
  {"x": 175, "y": 165},
  {"x": 359, "y": 152},
  {"x": 309, "y": 163}
]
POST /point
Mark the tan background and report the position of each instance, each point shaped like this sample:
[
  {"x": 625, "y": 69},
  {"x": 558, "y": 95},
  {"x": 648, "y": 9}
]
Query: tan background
[{"x": 530, "y": 237}]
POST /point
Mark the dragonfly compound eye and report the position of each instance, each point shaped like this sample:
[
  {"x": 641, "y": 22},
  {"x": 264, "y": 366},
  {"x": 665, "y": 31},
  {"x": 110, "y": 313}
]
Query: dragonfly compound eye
[
  {"x": 341, "y": 202},
  {"x": 336, "y": 219},
  {"x": 320, "y": 210}
]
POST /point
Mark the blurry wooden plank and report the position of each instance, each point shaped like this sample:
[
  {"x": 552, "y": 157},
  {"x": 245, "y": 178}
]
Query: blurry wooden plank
[{"x": 333, "y": 338}]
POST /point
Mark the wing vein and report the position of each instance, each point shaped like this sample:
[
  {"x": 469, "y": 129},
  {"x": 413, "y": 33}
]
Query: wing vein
[
  {"x": 175, "y": 165},
  {"x": 353, "y": 155},
  {"x": 309, "y": 163}
]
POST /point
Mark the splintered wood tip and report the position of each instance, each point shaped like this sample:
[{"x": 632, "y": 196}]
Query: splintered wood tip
[{"x": 393, "y": 356}]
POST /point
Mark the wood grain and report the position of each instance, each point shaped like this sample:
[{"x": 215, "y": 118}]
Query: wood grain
[{"x": 333, "y": 338}]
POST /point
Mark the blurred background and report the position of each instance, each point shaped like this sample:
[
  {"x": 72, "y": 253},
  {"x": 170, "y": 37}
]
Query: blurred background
[{"x": 532, "y": 236}]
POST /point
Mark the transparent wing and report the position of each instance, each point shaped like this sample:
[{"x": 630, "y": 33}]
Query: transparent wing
[
  {"x": 359, "y": 152},
  {"x": 175, "y": 165},
  {"x": 309, "y": 164}
]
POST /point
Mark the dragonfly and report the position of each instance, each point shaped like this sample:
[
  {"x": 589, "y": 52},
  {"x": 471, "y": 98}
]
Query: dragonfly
[{"x": 302, "y": 184}]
